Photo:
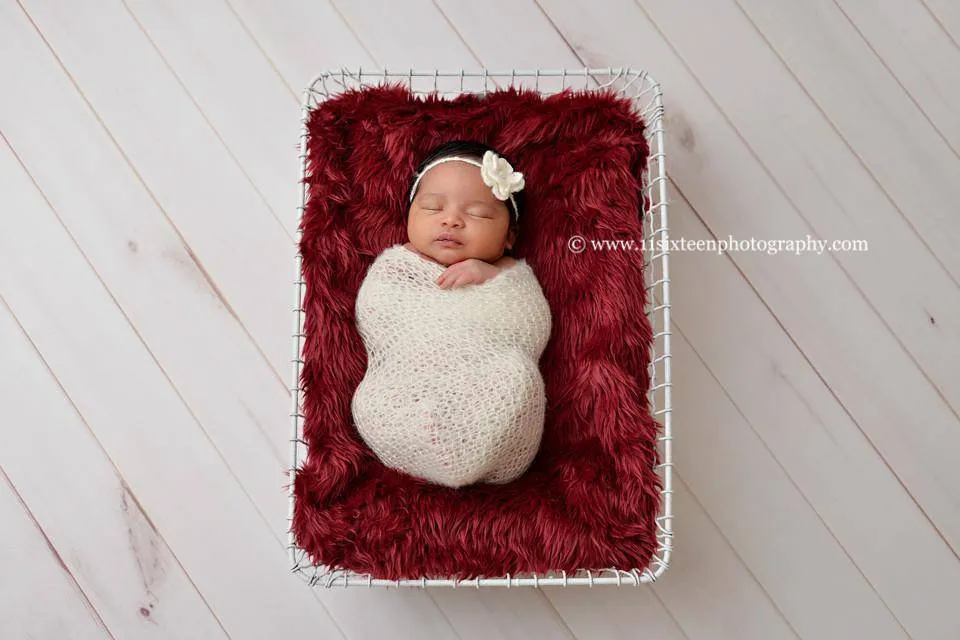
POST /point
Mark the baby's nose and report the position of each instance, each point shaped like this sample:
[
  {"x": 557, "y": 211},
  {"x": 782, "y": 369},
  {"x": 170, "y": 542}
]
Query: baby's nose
[{"x": 452, "y": 217}]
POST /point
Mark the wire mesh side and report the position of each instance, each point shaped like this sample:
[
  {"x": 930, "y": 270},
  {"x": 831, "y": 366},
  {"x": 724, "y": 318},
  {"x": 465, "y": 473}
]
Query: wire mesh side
[{"x": 647, "y": 99}]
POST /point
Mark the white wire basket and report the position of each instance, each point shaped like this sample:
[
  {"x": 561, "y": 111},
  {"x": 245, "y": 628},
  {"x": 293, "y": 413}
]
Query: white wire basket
[{"x": 646, "y": 97}]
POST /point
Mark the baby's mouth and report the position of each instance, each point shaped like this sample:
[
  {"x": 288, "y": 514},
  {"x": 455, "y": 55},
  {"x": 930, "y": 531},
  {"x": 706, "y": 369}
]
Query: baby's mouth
[{"x": 447, "y": 239}]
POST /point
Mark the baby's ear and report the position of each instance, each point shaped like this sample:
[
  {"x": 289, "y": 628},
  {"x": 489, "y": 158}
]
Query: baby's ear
[{"x": 511, "y": 238}]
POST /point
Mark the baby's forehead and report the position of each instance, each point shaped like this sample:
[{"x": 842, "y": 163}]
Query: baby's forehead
[{"x": 453, "y": 175}]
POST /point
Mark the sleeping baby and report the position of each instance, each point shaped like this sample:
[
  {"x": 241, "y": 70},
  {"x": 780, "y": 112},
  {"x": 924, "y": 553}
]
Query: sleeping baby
[{"x": 454, "y": 329}]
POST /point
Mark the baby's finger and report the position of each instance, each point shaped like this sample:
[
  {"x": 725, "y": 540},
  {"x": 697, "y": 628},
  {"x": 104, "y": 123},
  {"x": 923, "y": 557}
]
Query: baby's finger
[
  {"x": 447, "y": 280},
  {"x": 452, "y": 271},
  {"x": 456, "y": 280},
  {"x": 446, "y": 275}
]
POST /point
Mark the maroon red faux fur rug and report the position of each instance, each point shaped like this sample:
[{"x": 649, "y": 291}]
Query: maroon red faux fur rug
[{"x": 591, "y": 497}]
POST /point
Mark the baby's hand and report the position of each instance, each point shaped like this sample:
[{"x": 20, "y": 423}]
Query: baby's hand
[{"x": 470, "y": 271}]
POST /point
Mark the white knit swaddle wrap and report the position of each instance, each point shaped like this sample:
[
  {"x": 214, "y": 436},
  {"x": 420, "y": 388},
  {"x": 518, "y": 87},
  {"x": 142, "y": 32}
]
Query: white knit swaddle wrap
[{"x": 452, "y": 392}]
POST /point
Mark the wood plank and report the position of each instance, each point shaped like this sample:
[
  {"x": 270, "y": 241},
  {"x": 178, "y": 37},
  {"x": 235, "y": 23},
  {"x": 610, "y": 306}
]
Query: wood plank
[
  {"x": 525, "y": 41},
  {"x": 918, "y": 52},
  {"x": 768, "y": 521},
  {"x": 947, "y": 15},
  {"x": 799, "y": 147},
  {"x": 236, "y": 397},
  {"x": 702, "y": 595},
  {"x": 191, "y": 494},
  {"x": 916, "y": 168},
  {"x": 398, "y": 37},
  {"x": 293, "y": 42},
  {"x": 797, "y": 419},
  {"x": 242, "y": 249},
  {"x": 412, "y": 35},
  {"x": 43, "y": 601},
  {"x": 118, "y": 564},
  {"x": 512, "y": 614},
  {"x": 617, "y": 613},
  {"x": 494, "y": 613},
  {"x": 245, "y": 100},
  {"x": 711, "y": 585},
  {"x": 222, "y": 376}
]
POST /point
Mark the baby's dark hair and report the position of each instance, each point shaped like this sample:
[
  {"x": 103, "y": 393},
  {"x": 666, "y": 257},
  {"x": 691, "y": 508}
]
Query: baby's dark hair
[{"x": 469, "y": 149}]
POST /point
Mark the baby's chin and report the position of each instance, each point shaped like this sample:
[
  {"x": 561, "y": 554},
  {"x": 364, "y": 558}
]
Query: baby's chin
[
  {"x": 447, "y": 258},
  {"x": 450, "y": 255}
]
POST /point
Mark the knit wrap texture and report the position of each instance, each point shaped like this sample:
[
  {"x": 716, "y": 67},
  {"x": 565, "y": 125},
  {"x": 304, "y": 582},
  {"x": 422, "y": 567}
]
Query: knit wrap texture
[{"x": 452, "y": 393}]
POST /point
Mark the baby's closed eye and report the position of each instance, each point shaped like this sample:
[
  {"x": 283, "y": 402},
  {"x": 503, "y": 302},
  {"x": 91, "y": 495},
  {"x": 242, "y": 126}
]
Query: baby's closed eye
[{"x": 481, "y": 211}]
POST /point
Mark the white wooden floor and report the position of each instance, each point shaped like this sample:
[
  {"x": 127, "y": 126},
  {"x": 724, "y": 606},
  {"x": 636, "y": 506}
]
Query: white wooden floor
[{"x": 148, "y": 208}]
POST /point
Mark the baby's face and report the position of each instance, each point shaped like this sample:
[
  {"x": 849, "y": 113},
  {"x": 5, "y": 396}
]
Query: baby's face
[{"x": 455, "y": 216}]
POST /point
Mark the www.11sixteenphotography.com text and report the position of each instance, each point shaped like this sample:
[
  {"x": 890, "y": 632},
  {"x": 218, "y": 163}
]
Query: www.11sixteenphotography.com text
[{"x": 581, "y": 244}]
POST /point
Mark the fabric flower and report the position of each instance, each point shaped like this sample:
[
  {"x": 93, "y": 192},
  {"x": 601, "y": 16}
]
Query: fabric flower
[{"x": 500, "y": 176}]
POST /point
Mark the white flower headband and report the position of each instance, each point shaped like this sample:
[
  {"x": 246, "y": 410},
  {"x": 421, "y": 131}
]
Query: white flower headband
[{"x": 495, "y": 171}]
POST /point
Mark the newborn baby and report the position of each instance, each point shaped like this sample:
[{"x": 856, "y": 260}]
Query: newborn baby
[{"x": 454, "y": 330}]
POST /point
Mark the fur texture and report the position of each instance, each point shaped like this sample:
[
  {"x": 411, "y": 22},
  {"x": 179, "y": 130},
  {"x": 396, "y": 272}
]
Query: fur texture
[{"x": 590, "y": 498}]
